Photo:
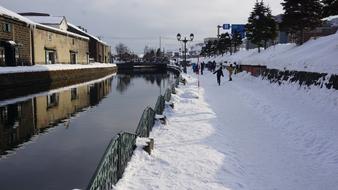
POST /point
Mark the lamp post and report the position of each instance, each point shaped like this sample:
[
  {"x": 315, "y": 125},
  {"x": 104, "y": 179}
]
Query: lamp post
[{"x": 185, "y": 41}]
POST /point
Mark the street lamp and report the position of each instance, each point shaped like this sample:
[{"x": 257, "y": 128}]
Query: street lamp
[{"x": 185, "y": 41}]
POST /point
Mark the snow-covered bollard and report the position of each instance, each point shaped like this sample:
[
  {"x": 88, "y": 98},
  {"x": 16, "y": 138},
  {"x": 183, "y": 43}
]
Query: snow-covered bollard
[
  {"x": 170, "y": 103},
  {"x": 149, "y": 146},
  {"x": 161, "y": 118}
]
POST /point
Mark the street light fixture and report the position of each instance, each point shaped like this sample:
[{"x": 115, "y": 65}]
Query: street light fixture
[{"x": 185, "y": 41}]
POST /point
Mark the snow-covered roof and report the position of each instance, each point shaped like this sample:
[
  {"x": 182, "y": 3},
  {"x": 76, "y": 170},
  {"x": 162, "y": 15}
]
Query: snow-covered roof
[
  {"x": 92, "y": 36},
  {"x": 61, "y": 31},
  {"x": 332, "y": 19},
  {"x": 13, "y": 15},
  {"x": 47, "y": 19}
]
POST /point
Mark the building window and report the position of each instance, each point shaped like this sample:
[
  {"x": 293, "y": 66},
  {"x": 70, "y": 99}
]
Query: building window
[
  {"x": 50, "y": 56},
  {"x": 73, "y": 94},
  {"x": 72, "y": 57},
  {"x": 73, "y": 41},
  {"x": 3, "y": 114},
  {"x": 52, "y": 100},
  {"x": 2, "y": 57},
  {"x": 7, "y": 27}
]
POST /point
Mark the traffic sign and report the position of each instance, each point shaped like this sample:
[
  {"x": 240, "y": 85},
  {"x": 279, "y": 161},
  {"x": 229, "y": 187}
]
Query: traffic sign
[{"x": 226, "y": 26}]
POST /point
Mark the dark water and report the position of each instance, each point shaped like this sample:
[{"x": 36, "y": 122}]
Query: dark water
[{"x": 56, "y": 141}]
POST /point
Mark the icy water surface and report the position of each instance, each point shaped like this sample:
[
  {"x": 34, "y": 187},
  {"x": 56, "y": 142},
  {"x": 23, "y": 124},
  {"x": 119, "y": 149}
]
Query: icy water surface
[{"x": 55, "y": 140}]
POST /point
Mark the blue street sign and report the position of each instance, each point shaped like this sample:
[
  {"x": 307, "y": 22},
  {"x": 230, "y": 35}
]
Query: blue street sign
[
  {"x": 239, "y": 28},
  {"x": 226, "y": 26}
]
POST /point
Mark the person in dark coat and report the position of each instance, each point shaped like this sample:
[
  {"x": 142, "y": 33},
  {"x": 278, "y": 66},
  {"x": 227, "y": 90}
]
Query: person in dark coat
[
  {"x": 213, "y": 66},
  {"x": 219, "y": 74},
  {"x": 202, "y": 67}
]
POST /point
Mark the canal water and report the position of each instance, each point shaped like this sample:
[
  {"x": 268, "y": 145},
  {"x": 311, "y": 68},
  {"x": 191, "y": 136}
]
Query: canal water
[{"x": 55, "y": 140}]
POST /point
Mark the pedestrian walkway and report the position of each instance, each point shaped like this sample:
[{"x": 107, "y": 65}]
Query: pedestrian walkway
[{"x": 245, "y": 134}]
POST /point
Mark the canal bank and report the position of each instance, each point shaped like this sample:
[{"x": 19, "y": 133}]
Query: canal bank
[
  {"x": 56, "y": 141},
  {"x": 18, "y": 81}
]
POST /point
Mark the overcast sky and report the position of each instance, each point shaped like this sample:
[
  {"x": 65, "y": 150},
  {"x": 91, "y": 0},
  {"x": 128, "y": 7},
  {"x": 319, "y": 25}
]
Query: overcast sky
[{"x": 141, "y": 22}]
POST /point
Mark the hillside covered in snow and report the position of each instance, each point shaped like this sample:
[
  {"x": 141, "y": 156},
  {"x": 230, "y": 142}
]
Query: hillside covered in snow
[{"x": 316, "y": 55}]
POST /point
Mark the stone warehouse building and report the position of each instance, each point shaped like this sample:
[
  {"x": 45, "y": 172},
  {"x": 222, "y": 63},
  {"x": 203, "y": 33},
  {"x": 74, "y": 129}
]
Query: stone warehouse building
[
  {"x": 37, "y": 38},
  {"x": 15, "y": 39},
  {"x": 54, "y": 44}
]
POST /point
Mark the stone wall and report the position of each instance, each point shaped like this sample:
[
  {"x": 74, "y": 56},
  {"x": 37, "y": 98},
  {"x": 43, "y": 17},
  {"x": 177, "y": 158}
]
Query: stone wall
[
  {"x": 17, "y": 84},
  {"x": 301, "y": 77}
]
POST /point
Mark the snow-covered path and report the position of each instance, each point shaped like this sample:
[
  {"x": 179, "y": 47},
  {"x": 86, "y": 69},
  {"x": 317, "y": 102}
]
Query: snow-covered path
[{"x": 245, "y": 134}]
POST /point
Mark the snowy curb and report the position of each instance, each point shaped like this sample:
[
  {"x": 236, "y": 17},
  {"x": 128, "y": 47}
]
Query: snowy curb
[{"x": 54, "y": 67}]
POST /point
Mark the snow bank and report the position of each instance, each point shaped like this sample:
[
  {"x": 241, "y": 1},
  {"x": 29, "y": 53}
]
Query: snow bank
[
  {"x": 54, "y": 67},
  {"x": 316, "y": 55}
]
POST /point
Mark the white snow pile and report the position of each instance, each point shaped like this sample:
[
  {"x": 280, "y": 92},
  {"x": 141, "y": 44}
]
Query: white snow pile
[
  {"x": 243, "y": 135},
  {"x": 53, "y": 67},
  {"x": 316, "y": 55}
]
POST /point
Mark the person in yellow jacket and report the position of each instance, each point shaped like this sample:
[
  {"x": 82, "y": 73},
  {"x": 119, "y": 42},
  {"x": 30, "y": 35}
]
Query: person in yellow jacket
[{"x": 230, "y": 70}]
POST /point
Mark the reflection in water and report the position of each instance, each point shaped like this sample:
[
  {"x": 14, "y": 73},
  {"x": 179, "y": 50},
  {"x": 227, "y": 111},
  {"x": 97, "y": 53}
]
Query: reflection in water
[
  {"x": 22, "y": 120},
  {"x": 62, "y": 152},
  {"x": 16, "y": 125},
  {"x": 124, "y": 81}
]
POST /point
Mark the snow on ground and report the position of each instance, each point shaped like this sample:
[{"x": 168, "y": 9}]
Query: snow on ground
[
  {"x": 317, "y": 55},
  {"x": 245, "y": 134},
  {"x": 53, "y": 67}
]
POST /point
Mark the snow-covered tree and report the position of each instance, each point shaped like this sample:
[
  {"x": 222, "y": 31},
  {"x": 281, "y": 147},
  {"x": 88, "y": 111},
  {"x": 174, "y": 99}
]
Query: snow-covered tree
[
  {"x": 224, "y": 43},
  {"x": 330, "y": 7},
  {"x": 261, "y": 26},
  {"x": 236, "y": 40},
  {"x": 300, "y": 16}
]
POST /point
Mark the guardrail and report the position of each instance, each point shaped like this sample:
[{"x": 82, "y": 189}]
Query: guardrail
[
  {"x": 174, "y": 68},
  {"x": 113, "y": 162},
  {"x": 120, "y": 149},
  {"x": 146, "y": 122}
]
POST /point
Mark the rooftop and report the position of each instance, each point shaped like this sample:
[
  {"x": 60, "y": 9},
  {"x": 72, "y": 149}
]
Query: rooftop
[{"x": 48, "y": 20}]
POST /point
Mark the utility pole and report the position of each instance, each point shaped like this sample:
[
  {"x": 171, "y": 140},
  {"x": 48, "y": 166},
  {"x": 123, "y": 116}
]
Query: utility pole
[{"x": 218, "y": 30}]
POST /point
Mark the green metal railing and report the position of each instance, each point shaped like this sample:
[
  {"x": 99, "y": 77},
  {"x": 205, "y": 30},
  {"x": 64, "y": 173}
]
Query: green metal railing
[
  {"x": 160, "y": 104},
  {"x": 173, "y": 90},
  {"x": 120, "y": 149},
  {"x": 167, "y": 94},
  {"x": 114, "y": 162},
  {"x": 146, "y": 122}
]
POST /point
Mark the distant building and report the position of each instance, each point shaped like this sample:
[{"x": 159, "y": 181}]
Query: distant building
[
  {"x": 99, "y": 51},
  {"x": 328, "y": 27}
]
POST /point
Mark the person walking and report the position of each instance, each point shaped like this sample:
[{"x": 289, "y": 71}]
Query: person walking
[
  {"x": 202, "y": 67},
  {"x": 219, "y": 74},
  {"x": 213, "y": 66},
  {"x": 236, "y": 68},
  {"x": 230, "y": 70}
]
